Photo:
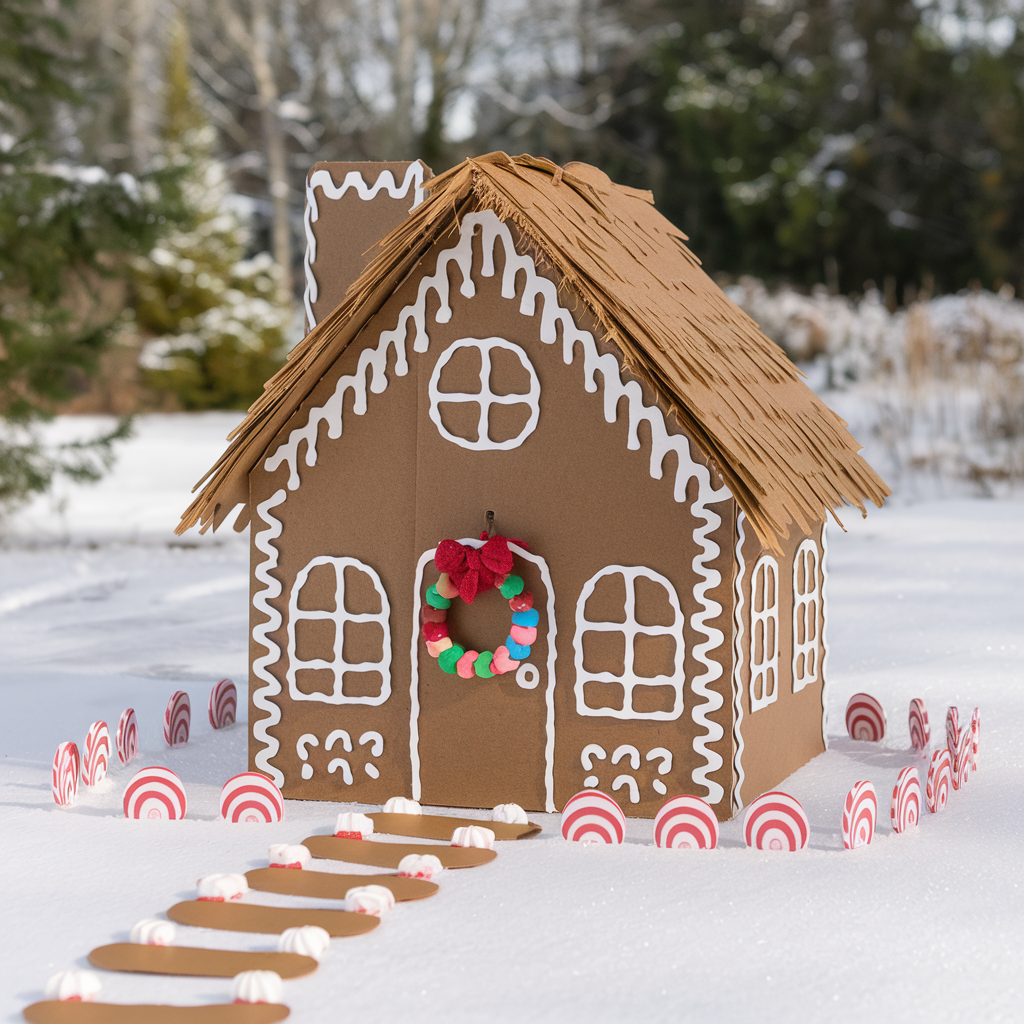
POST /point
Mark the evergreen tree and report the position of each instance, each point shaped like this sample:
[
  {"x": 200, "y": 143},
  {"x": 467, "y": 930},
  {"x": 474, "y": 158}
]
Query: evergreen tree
[
  {"x": 215, "y": 328},
  {"x": 65, "y": 233}
]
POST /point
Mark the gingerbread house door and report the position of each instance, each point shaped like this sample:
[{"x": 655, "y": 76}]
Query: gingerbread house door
[{"x": 482, "y": 742}]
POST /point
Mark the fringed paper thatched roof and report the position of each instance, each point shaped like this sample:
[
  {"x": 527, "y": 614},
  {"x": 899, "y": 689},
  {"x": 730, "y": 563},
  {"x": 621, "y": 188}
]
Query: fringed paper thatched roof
[{"x": 785, "y": 455}]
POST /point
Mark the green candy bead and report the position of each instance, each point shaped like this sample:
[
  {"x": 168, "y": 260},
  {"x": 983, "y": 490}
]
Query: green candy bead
[
  {"x": 435, "y": 600},
  {"x": 482, "y": 665},
  {"x": 512, "y": 586},
  {"x": 449, "y": 657}
]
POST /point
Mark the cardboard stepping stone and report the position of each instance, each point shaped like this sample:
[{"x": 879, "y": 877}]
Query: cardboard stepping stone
[
  {"x": 440, "y": 826},
  {"x": 388, "y": 855},
  {"x": 56, "y": 1011},
  {"x": 188, "y": 960},
  {"x": 251, "y": 917},
  {"x": 328, "y": 886}
]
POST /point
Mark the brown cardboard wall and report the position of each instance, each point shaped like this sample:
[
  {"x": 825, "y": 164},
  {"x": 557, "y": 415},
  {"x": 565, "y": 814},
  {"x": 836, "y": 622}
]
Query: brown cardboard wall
[
  {"x": 784, "y": 735},
  {"x": 391, "y": 487}
]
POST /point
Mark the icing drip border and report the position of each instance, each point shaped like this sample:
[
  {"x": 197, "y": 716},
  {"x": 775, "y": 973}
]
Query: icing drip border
[
  {"x": 353, "y": 180},
  {"x": 737, "y": 670},
  {"x": 824, "y": 635},
  {"x": 373, "y": 361},
  {"x": 264, "y": 541}
]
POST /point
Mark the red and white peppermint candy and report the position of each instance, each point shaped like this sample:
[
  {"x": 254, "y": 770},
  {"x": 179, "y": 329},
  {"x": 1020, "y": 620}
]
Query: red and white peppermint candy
[
  {"x": 251, "y": 796},
  {"x": 963, "y": 759},
  {"x": 865, "y": 718},
  {"x": 593, "y": 817},
  {"x": 64, "y": 781},
  {"x": 127, "y": 739},
  {"x": 906, "y": 800},
  {"x": 155, "y": 793},
  {"x": 975, "y": 732},
  {"x": 177, "y": 719},
  {"x": 859, "y": 815},
  {"x": 685, "y": 823},
  {"x": 776, "y": 821},
  {"x": 223, "y": 704},
  {"x": 920, "y": 730},
  {"x": 952, "y": 730},
  {"x": 97, "y": 753},
  {"x": 940, "y": 778}
]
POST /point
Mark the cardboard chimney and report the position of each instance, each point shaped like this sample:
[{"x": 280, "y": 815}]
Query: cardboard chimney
[{"x": 532, "y": 350}]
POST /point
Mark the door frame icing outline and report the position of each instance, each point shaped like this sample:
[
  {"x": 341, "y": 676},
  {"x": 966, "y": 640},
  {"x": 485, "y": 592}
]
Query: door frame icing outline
[{"x": 549, "y": 694}]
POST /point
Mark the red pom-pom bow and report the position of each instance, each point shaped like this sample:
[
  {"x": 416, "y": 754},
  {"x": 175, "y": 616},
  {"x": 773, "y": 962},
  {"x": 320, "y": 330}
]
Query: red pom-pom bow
[{"x": 474, "y": 570}]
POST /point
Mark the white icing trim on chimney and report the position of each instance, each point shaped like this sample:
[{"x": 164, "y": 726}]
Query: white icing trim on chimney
[{"x": 322, "y": 179}]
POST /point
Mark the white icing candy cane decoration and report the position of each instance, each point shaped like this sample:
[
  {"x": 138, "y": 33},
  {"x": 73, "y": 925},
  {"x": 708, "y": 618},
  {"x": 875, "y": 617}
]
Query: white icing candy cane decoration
[
  {"x": 665, "y": 756},
  {"x": 376, "y": 749},
  {"x": 339, "y": 734},
  {"x": 630, "y": 782},
  {"x": 627, "y": 750},
  {"x": 307, "y": 739},
  {"x": 346, "y": 769}
]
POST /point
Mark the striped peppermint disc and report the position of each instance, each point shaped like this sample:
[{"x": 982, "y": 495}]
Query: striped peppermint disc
[
  {"x": 593, "y": 817},
  {"x": 865, "y": 718},
  {"x": 686, "y": 823},
  {"x": 859, "y": 815},
  {"x": 963, "y": 758},
  {"x": 920, "y": 730},
  {"x": 155, "y": 793},
  {"x": 64, "y": 779},
  {"x": 251, "y": 797},
  {"x": 223, "y": 704},
  {"x": 177, "y": 719},
  {"x": 906, "y": 800},
  {"x": 952, "y": 730},
  {"x": 940, "y": 778},
  {"x": 975, "y": 731},
  {"x": 127, "y": 739},
  {"x": 97, "y": 753},
  {"x": 776, "y": 821}
]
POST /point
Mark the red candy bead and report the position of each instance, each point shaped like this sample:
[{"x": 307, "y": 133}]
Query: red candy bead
[
  {"x": 521, "y": 602},
  {"x": 435, "y": 631},
  {"x": 428, "y": 614}
]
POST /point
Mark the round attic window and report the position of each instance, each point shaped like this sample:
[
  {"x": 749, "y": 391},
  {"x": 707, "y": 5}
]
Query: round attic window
[{"x": 484, "y": 394}]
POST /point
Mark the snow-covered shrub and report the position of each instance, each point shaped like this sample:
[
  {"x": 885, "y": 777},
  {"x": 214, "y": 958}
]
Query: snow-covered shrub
[{"x": 935, "y": 390}]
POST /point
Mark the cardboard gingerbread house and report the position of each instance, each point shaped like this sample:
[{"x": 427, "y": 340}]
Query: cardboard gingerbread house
[{"x": 530, "y": 351}]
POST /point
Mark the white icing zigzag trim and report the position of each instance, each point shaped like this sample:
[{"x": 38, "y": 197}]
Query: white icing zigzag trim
[
  {"x": 264, "y": 541},
  {"x": 737, "y": 670},
  {"x": 824, "y": 635},
  {"x": 322, "y": 179},
  {"x": 374, "y": 360},
  {"x": 549, "y": 690}
]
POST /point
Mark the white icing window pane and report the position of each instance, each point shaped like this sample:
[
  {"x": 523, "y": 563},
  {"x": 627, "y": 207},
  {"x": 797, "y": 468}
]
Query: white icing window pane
[
  {"x": 499, "y": 409},
  {"x": 764, "y": 633},
  {"x": 629, "y": 646},
  {"x": 350, "y": 622},
  {"x": 806, "y": 604}
]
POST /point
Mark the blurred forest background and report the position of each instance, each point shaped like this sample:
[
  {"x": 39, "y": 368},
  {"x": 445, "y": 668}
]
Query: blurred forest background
[{"x": 851, "y": 171}]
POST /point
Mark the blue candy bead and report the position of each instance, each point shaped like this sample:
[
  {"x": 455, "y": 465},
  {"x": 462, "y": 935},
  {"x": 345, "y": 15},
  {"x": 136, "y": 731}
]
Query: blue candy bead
[
  {"x": 517, "y": 652},
  {"x": 528, "y": 618}
]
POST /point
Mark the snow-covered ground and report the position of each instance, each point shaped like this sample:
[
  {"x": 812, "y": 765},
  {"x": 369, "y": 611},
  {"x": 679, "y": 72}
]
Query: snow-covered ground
[{"x": 101, "y": 608}]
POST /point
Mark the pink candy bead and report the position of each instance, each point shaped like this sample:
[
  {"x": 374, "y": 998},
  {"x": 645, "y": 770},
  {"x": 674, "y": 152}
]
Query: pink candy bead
[
  {"x": 435, "y": 647},
  {"x": 466, "y": 665},
  {"x": 525, "y": 635}
]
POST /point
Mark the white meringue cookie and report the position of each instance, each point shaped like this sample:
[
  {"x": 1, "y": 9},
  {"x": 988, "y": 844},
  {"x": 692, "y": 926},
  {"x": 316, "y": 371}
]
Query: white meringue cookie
[
  {"x": 73, "y": 985},
  {"x": 151, "y": 931},
  {"x": 352, "y": 823},
  {"x": 419, "y": 865},
  {"x": 308, "y": 940},
  {"x": 473, "y": 835},
  {"x": 257, "y": 987},
  {"x": 370, "y": 899},
  {"x": 222, "y": 887},
  {"x": 282, "y": 855},
  {"x": 400, "y": 805},
  {"x": 510, "y": 814}
]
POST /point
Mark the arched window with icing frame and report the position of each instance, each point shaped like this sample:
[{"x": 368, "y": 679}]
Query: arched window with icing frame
[
  {"x": 764, "y": 633},
  {"x": 806, "y": 611}
]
